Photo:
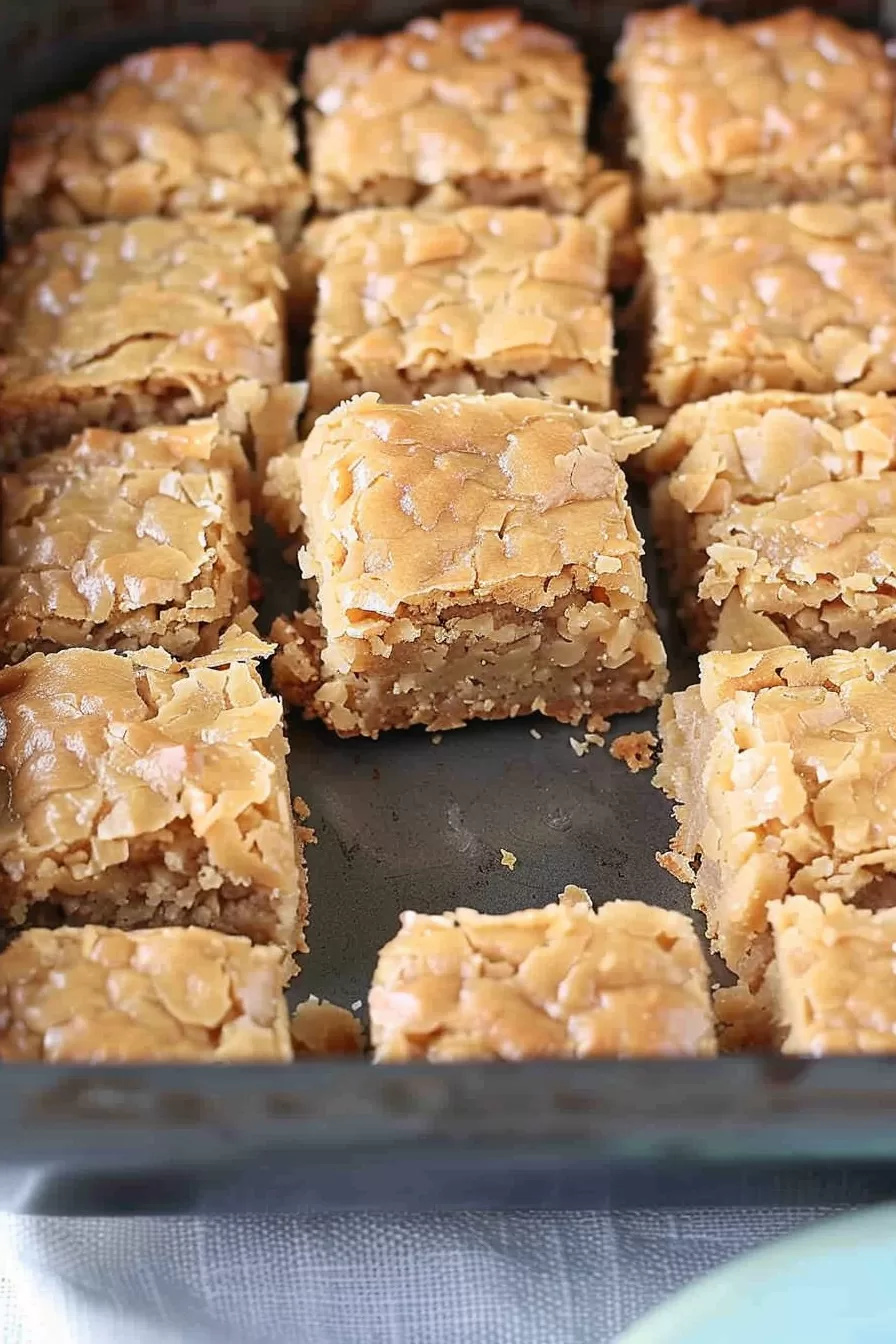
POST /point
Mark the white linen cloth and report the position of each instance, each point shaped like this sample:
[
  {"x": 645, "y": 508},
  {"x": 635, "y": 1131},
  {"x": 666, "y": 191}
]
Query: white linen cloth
[{"x": 361, "y": 1278}]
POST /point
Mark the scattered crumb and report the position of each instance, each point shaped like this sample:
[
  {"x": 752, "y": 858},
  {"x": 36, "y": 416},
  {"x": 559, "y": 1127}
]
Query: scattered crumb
[
  {"x": 636, "y": 749},
  {"x": 321, "y": 1028},
  {"x": 595, "y": 739},
  {"x": 301, "y": 808},
  {"x": 677, "y": 865},
  {"x": 580, "y": 748},
  {"x": 436, "y": 739},
  {"x": 508, "y": 860},
  {"x": 571, "y": 895},
  {"x": 356, "y": 1006},
  {"x": 597, "y": 724},
  {"x": 533, "y": 732},
  {"x": 744, "y": 1021}
]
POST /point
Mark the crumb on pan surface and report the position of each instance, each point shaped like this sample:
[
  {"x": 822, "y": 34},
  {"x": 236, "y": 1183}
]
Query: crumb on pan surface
[
  {"x": 485, "y": 105},
  {"x": 795, "y": 106},
  {"x": 474, "y": 557},
  {"x": 165, "y": 132},
  {"x": 563, "y": 981},
  {"x": 482, "y": 299},
  {"x": 122, "y": 325},
  {"x": 774, "y": 519},
  {"x": 782, "y": 769},
  {"x": 100, "y": 995},
  {"x": 320, "y": 1028},
  {"x": 147, "y": 791},
  {"x": 635, "y": 750},
  {"x": 125, "y": 541}
]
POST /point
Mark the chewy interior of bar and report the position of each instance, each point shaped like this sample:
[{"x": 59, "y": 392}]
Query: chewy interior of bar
[
  {"x": 563, "y": 981},
  {"x": 484, "y": 298},
  {"x": 474, "y": 557},
  {"x": 144, "y": 791},
  {"x": 775, "y": 516},
  {"x": 165, "y": 132},
  {"x": 125, "y": 325}
]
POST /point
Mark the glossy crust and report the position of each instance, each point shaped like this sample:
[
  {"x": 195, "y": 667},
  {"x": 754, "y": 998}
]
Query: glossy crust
[
  {"x": 474, "y": 557},
  {"x": 166, "y": 132},
  {"x": 125, "y": 541},
  {"x": 146, "y": 791},
  {"x": 480, "y": 105},
  {"x": 783, "y": 771},
  {"x": 123, "y": 325},
  {"x": 560, "y": 982},
  {"x": 774, "y": 519},
  {"x": 491, "y": 299},
  {"x": 801, "y": 298},
  {"x": 98, "y": 995},
  {"x": 835, "y": 977},
  {"x": 793, "y": 107}
]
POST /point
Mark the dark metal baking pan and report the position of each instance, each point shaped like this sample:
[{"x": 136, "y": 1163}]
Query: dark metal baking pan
[{"x": 407, "y": 822}]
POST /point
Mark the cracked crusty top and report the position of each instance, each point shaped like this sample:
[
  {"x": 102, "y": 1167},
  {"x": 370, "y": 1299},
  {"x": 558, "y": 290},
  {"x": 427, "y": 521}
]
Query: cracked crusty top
[
  {"x": 793, "y": 106},
  {"x": 802, "y": 297},
  {"x": 629, "y": 979},
  {"x": 453, "y": 499},
  {"x": 502, "y": 292},
  {"x": 192, "y": 299},
  {"x": 165, "y": 132},
  {"x": 114, "y": 523},
  {"x": 98, "y": 995},
  {"x": 101, "y": 750},
  {"x": 478, "y": 95},
  {"x": 799, "y": 785}
]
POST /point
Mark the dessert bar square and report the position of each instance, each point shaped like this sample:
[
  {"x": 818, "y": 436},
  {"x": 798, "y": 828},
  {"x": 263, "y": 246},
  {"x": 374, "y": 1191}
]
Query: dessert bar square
[
  {"x": 145, "y": 791},
  {"x": 474, "y": 557},
  {"x": 478, "y": 107},
  {"x": 834, "y": 977},
  {"x": 792, "y": 107},
  {"x": 124, "y": 541},
  {"x": 783, "y": 769},
  {"x": 166, "y": 132},
  {"x": 503, "y": 300},
  {"x": 562, "y": 982},
  {"x": 124, "y": 325},
  {"x": 802, "y": 298},
  {"x": 98, "y": 995},
  {"x": 777, "y": 520}
]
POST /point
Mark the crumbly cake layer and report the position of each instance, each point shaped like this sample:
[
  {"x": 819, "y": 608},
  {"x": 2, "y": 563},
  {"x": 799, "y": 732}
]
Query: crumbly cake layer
[
  {"x": 483, "y": 104},
  {"x": 835, "y": 977},
  {"x": 473, "y": 557},
  {"x": 124, "y": 542},
  {"x": 147, "y": 791},
  {"x": 792, "y": 107},
  {"x": 783, "y": 770},
  {"x": 166, "y": 132},
  {"x": 560, "y": 982},
  {"x": 503, "y": 300},
  {"x": 100, "y": 996},
  {"x": 802, "y": 298},
  {"x": 123, "y": 325},
  {"x": 775, "y": 511}
]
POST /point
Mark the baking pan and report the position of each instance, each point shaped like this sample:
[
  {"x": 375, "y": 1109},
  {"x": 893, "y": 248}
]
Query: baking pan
[{"x": 410, "y": 821}]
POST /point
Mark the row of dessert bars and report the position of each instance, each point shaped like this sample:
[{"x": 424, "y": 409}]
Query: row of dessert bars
[{"x": 472, "y": 555}]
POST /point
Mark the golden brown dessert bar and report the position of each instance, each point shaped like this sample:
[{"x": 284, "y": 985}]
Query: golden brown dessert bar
[
  {"x": 124, "y": 325},
  {"x": 125, "y": 541},
  {"x": 144, "y": 791},
  {"x": 474, "y": 557},
  {"x": 784, "y": 772},
  {"x": 500, "y": 300},
  {"x": 166, "y": 132},
  {"x": 792, "y": 107},
  {"x": 99, "y": 995},
  {"x": 481, "y": 106},
  {"x": 834, "y": 977},
  {"x": 776, "y": 519},
  {"x": 564, "y": 981},
  {"x": 802, "y": 298}
]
